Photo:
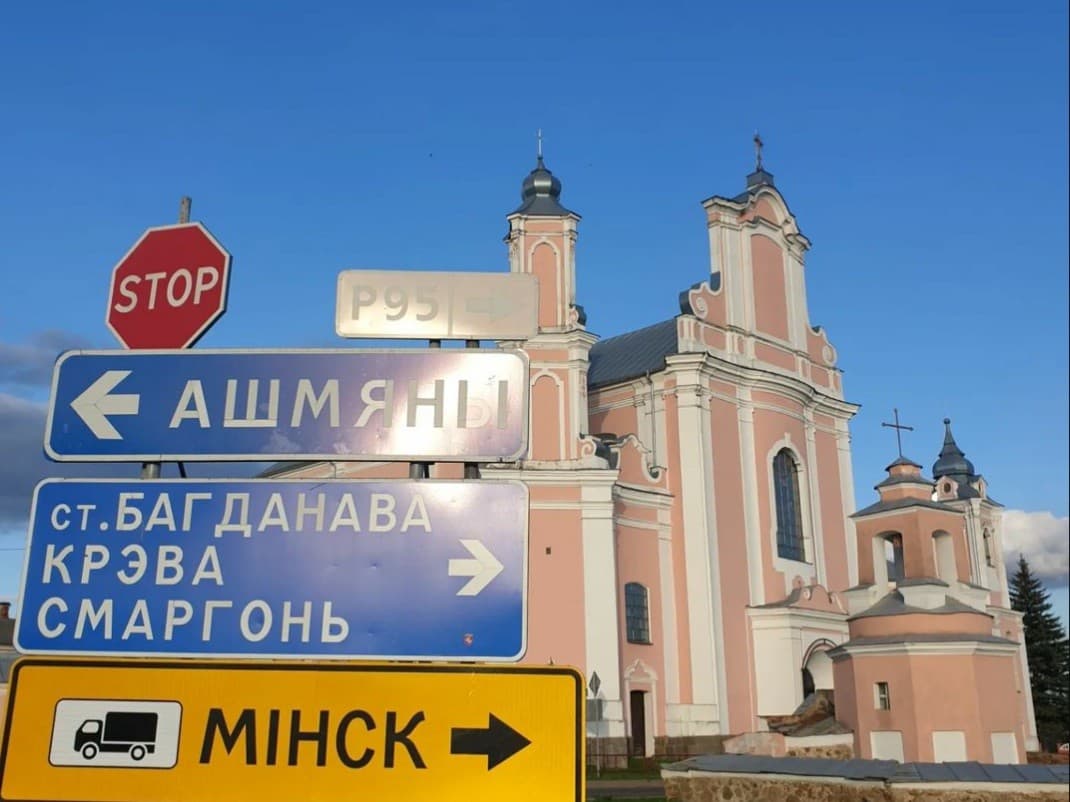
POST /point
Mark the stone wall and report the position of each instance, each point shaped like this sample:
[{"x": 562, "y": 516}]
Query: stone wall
[
  {"x": 831, "y": 752},
  {"x": 608, "y": 753},
  {"x": 614, "y": 753},
  {"x": 684, "y": 746},
  {"x": 830, "y": 747},
  {"x": 763, "y": 788}
]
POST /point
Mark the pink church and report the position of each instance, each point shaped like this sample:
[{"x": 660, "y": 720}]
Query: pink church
[{"x": 693, "y": 538}]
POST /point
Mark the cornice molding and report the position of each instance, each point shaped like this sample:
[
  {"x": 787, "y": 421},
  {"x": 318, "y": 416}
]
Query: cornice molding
[{"x": 713, "y": 367}]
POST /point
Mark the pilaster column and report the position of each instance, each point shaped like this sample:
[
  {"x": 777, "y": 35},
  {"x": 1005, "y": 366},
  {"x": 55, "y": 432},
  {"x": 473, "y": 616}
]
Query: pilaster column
[
  {"x": 600, "y": 603},
  {"x": 813, "y": 482},
  {"x": 751, "y": 513},
  {"x": 700, "y": 547}
]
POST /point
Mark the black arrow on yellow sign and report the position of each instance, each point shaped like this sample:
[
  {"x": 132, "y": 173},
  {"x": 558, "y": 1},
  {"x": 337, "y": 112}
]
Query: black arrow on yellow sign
[{"x": 498, "y": 741}]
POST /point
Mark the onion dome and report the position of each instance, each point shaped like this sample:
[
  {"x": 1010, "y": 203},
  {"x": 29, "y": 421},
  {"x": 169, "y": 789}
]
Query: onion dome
[
  {"x": 952, "y": 461},
  {"x": 540, "y": 194}
]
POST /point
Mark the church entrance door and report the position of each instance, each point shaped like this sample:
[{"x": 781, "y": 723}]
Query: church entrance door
[{"x": 638, "y": 719}]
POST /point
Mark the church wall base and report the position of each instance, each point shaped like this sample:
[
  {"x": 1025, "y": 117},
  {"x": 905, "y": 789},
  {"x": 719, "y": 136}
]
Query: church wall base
[
  {"x": 607, "y": 753},
  {"x": 763, "y": 788}
]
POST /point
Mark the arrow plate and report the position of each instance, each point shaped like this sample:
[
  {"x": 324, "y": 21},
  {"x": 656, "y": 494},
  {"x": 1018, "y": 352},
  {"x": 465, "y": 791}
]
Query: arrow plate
[
  {"x": 420, "y": 305},
  {"x": 389, "y": 569},
  {"x": 251, "y": 731}
]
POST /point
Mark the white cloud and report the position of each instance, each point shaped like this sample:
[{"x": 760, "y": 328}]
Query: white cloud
[{"x": 1042, "y": 539}]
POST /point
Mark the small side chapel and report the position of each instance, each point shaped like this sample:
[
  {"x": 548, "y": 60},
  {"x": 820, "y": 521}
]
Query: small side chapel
[{"x": 691, "y": 531}]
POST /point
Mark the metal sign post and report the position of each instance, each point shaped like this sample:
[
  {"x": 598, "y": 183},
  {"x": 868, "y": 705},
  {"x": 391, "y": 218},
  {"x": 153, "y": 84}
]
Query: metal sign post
[{"x": 595, "y": 715}]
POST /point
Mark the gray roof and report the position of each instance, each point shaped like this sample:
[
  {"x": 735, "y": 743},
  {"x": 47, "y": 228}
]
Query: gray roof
[
  {"x": 903, "y": 461},
  {"x": 888, "y": 771},
  {"x": 971, "y": 771},
  {"x": 902, "y": 504},
  {"x": 893, "y": 604},
  {"x": 630, "y": 355},
  {"x": 759, "y": 178},
  {"x": 904, "y": 480},
  {"x": 787, "y": 601}
]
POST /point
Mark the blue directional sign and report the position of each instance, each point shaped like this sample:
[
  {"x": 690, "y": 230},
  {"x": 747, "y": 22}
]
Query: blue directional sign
[
  {"x": 400, "y": 569},
  {"x": 461, "y": 405}
]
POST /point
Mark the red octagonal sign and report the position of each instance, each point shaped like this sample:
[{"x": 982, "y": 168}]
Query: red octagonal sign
[{"x": 169, "y": 289}]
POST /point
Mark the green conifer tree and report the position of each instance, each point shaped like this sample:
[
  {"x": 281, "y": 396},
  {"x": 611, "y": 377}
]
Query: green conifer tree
[{"x": 1048, "y": 653}]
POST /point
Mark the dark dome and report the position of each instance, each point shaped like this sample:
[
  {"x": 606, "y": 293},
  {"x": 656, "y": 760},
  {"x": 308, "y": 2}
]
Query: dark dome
[
  {"x": 952, "y": 461},
  {"x": 540, "y": 193}
]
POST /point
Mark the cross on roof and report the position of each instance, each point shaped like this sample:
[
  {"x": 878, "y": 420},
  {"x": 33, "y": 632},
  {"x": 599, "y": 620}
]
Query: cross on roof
[
  {"x": 538, "y": 140},
  {"x": 898, "y": 430},
  {"x": 758, "y": 145}
]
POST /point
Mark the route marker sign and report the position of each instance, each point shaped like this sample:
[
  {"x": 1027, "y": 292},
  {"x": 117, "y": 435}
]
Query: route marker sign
[
  {"x": 169, "y": 288},
  {"x": 248, "y": 732},
  {"x": 452, "y": 404},
  {"x": 419, "y": 305},
  {"x": 387, "y": 569}
]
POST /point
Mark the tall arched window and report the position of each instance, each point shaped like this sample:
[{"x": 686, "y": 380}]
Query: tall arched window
[
  {"x": 636, "y": 613},
  {"x": 987, "y": 537},
  {"x": 789, "y": 530},
  {"x": 893, "y": 556},
  {"x": 944, "y": 550}
]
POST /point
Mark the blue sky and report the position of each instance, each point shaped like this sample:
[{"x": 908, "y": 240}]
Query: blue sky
[{"x": 922, "y": 146}]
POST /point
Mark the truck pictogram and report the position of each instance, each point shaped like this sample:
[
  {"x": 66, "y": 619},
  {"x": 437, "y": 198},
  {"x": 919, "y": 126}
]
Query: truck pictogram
[{"x": 128, "y": 731}]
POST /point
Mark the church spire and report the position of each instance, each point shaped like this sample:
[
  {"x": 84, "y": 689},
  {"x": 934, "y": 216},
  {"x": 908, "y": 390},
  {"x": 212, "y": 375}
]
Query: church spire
[
  {"x": 952, "y": 461},
  {"x": 760, "y": 176},
  {"x": 541, "y": 191}
]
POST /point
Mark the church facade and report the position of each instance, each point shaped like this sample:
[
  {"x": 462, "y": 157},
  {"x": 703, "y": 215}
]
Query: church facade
[{"x": 693, "y": 539}]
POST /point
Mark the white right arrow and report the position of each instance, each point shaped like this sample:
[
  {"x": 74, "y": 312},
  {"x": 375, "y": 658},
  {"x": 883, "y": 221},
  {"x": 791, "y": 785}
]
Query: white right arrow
[
  {"x": 95, "y": 404},
  {"x": 482, "y": 569}
]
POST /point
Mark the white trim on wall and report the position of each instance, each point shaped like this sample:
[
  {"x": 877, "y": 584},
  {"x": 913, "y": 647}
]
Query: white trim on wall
[
  {"x": 670, "y": 640},
  {"x": 813, "y": 480},
  {"x": 560, "y": 386},
  {"x": 600, "y": 604},
  {"x": 695, "y": 493},
  {"x": 640, "y": 674},
  {"x": 751, "y": 508},
  {"x": 791, "y": 568},
  {"x": 847, "y": 494}
]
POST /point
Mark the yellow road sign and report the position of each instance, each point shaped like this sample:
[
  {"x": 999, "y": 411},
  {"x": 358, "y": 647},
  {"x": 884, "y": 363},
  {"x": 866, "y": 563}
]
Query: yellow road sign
[{"x": 119, "y": 730}]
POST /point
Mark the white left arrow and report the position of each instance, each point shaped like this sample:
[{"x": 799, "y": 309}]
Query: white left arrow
[
  {"x": 95, "y": 405},
  {"x": 482, "y": 568}
]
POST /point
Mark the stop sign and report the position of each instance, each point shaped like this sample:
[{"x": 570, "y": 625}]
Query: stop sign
[{"x": 169, "y": 288}]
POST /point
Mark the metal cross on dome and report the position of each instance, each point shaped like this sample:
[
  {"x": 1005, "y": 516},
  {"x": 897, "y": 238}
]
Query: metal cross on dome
[
  {"x": 758, "y": 145},
  {"x": 898, "y": 430}
]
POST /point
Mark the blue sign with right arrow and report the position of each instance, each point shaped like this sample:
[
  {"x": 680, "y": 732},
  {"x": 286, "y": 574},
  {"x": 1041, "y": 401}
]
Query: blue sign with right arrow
[
  {"x": 420, "y": 570},
  {"x": 444, "y": 404}
]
